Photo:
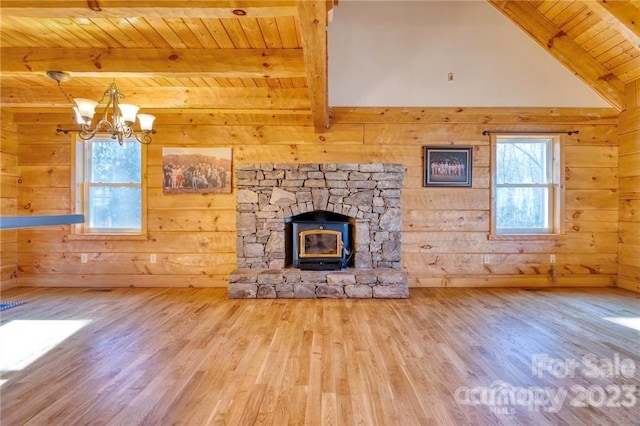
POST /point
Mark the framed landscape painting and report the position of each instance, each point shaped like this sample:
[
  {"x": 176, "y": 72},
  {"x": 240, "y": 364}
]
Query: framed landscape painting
[
  {"x": 445, "y": 166},
  {"x": 196, "y": 170}
]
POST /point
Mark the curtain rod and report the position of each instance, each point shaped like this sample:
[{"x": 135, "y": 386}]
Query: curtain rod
[{"x": 570, "y": 132}]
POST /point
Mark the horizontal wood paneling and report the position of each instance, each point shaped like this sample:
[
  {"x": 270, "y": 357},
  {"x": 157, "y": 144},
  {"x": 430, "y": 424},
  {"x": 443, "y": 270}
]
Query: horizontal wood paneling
[
  {"x": 199, "y": 220},
  {"x": 8, "y": 198},
  {"x": 590, "y": 177},
  {"x": 444, "y": 229},
  {"x": 124, "y": 280},
  {"x": 629, "y": 191},
  {"x": 126, "y": 263},
  {"x": 50, "y": 238}
]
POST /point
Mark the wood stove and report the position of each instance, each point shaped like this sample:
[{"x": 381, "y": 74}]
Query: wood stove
[{"x": 319, "y": 240}]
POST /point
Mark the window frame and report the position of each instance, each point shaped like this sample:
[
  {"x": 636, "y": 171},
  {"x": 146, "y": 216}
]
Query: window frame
[
  {"x": 80, "y": 169},
  {"x": 555, "y": 187}
]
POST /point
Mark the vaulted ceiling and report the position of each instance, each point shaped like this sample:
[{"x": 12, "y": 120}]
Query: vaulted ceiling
[{"x": 254, "y": 56}]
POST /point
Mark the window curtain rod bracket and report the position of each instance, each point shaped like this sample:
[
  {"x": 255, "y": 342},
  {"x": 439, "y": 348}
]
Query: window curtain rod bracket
[{"x": 488, "y": 132}]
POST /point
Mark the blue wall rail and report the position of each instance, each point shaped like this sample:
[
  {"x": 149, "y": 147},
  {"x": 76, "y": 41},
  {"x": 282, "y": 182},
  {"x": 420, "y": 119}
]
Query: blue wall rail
[{"x": 9, "y": 222}]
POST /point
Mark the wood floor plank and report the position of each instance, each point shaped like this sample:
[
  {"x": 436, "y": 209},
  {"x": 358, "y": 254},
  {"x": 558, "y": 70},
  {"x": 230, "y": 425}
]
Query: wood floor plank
[{"x": 188, "y": 356}]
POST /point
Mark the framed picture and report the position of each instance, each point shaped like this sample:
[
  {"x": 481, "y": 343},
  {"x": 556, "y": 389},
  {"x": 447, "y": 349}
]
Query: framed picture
[
  {"x": 446, "y": 166},
  {"x": 196, "y": 170}
]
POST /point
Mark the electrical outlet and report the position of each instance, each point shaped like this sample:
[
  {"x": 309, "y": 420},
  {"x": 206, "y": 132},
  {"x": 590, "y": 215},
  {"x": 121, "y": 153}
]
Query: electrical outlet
[
  {"x": 552, "y": 258},
  {"x": 486, "y": 259},
  {"x": 152, "y": 258},
  {"x": 83, "y": 258}
]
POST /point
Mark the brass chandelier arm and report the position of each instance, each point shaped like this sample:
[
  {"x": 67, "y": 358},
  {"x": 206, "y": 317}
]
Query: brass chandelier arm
[
  {"x": 142, "y": 137},
  {"x": 117, "y": 120}
]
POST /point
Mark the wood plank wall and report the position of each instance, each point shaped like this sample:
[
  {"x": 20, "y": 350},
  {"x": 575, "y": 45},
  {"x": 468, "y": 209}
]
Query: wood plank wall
[
  {"x": 8, "y": 199},
  {"x": 629, "y": 191},
  {"x": 445, "y": 230}
]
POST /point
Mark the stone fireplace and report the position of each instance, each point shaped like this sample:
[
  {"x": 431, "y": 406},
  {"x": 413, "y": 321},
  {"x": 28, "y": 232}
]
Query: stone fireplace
[{"x": 269, "y": 195}]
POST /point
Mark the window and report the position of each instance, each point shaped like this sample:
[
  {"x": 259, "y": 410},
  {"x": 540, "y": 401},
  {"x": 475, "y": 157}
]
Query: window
[
  {"x": 109, "y": 186},
  {"x": 526, "y": 177}
]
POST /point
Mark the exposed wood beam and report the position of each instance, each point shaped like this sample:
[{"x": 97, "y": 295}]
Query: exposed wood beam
[
  {"x": 555, "y": 41},
  {"x": 475, "y": 115},
  {"x": 620, "y": 15},
  {"x": 249, "y": 63},
  {"x": 163, "y": 97},
  {"x": 313, "y": 26},
  {"x": 181, "y": 116},
  {"x": 148, "y": 8}
]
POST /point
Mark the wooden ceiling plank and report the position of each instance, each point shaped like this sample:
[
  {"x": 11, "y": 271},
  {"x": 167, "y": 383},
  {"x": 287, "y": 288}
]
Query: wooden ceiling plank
[
  {"x": 150, "y": 33},
  {"x": 557, "y": 9},
  {"x": 274, "y": 83},
  {"x": 147, "y": 8},
  {"x": 164, "y": 97},
  {"x": 615, "y": 51},
  {"x": 114, "y": 31},
  {"x": 620, "y": 15},
  {"x": 270, "y": 33},
  {"x": 577, "y": 19},
  {"x": 546, "y": 5},
  {"x": 591, "y": 32},
  {"x": 575, "y": 9},
  {"x": 224, "y": 82},
  {"x": 313, "y": 27},
  {"x": 236, "y": 82},
  {"x": 253, "y": 33},
  {"x": 129, "y": 27},
  {"x": 11, "y": 39},
  {"x": 576, "y": 30},
  {"x": 629, "y": 70},
  {"x": 218, "y": 32},
  {"x": 79, "y": 29},
  {"x": 236, "y": 33},
  {"x": 565, "y": 50},
  {"x": 182, "y": 30},
  {"x": 287, "y": 29},
  {"x": 71, "y": 39},
  {"x": 599, "y": 38},
  {"x": 249, "y": 63},
  {"x": 197, "y": 27},
  {"x": 206, "y": 82},
  {"x": 249, "y": 82},
  {"x": 97, "y": 33},
  {"x": 166, "y": 32},
  {"x": 41, "y": 36},
  {"x": 626, "y": 56},
  {"x": 606, "y": 45},
  {"x": 299, "y": 82}
]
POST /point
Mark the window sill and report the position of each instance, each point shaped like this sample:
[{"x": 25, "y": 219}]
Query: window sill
[
  {"x": 107, "y": 237},
  {"x": 523, "y": 237}
]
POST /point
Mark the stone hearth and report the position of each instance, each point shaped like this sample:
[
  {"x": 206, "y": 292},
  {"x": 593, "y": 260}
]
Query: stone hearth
[{"x": 267, "y": 194}]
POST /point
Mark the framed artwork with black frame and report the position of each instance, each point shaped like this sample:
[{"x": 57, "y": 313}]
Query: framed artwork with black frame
[{"x": 447, "y": 166}]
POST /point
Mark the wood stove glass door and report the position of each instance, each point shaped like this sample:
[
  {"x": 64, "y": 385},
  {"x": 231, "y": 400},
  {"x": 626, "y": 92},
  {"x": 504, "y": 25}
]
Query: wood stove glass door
[{"x": 320, "y": 243}]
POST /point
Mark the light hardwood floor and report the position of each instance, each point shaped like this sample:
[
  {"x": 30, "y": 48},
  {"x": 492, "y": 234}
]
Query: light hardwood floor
[{"x": 190, "y": 356}]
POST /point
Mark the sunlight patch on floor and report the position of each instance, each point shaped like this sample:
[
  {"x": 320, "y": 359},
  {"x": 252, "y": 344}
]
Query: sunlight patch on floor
[
  {"x": 631, "y": 322},
  {"x": 24, "y": 341}
]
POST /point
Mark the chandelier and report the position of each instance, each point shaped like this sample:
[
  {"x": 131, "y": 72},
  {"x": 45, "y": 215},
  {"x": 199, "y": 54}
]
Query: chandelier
[{"x": 117, "y": 119}]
